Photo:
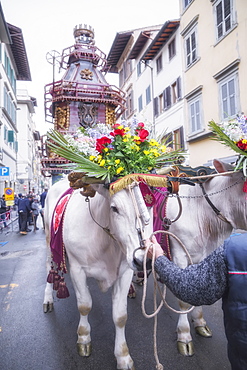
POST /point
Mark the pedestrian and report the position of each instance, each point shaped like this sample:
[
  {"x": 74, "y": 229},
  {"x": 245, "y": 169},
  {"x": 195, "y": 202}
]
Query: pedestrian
[
  {"x": 223, "y": 274},
  {"x": 36, "y": 209},
  {"x": 42, "y": 202},
  {"x": 3, "y": 210},
  {"x": 24, "y": 210}
]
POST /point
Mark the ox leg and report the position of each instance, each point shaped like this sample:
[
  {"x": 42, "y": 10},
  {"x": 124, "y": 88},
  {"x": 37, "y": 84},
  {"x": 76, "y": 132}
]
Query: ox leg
[
  {"x": 184, "y": 339},
  {"x": 48, "y": 298},
  {"x": 119, "y": 312},
  {"x": 199, "y": 323},
  {"x": 84, "y": 304}
]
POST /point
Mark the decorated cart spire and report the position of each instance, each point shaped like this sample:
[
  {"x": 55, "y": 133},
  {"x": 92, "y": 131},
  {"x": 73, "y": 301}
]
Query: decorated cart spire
[{"x": 82, "y": 97}]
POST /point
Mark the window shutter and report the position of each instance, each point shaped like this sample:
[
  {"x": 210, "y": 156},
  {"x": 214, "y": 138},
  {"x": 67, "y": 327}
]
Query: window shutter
[
  {"x": 179, "y": 92},
  {"x": 168, "y": 96},
  {"x": 156, "y": 107},
  {"x": 181, "y": 135},
  {"x": 10, "y": 136},
  {"x": 219, "y": 19}
]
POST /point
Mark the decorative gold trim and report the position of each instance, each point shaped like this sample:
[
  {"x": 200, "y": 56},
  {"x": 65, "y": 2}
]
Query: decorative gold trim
[{"x": 62, "y": 117}]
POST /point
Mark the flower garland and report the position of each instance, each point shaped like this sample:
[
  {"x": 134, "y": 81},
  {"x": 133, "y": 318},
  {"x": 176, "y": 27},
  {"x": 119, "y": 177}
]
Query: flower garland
[
  {"x": 233, "y": 134},
  {"x": 108, "y": 151}
]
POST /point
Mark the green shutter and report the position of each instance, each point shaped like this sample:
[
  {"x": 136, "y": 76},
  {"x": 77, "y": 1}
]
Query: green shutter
[{"x": 10, "y": 136}]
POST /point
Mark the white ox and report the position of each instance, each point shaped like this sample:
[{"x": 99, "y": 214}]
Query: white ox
[
  {"x": 201, "y": 231},
  {"x": 93, "y": 253}
]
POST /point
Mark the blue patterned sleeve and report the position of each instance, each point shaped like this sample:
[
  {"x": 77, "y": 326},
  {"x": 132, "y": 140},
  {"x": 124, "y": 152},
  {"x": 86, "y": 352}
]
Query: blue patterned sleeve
[{"x": 199, "y": 284}]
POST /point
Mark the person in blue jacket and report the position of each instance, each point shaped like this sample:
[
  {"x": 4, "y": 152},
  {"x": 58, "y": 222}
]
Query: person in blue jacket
[
  {"x": 223, "y": 274},
  {"x": 24, "y": 209}
]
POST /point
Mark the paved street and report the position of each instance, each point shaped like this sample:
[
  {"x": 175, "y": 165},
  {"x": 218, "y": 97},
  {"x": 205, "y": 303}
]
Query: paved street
[{"x": 30, "y": 339}]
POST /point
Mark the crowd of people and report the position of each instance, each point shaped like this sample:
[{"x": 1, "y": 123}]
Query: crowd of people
[{"x": 29, "y": 207}]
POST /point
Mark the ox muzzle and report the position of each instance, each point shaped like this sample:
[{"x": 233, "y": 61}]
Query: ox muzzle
[{"x": 138, "y": 259}]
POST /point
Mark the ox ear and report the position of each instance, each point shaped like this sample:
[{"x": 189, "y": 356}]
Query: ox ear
[
  {"x": 101, "y": 189},
  {"x": 222, "y": 166}
]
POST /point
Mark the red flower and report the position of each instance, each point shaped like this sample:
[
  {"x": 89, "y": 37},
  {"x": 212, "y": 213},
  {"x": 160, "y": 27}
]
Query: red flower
[
  {"x": 140, "y": 125},
  {"x": 117, "y": 131},
  {"x": 242, "y": 146},
  {"x": 101, "y": 143},
  {"x": 143, "y": 134}
]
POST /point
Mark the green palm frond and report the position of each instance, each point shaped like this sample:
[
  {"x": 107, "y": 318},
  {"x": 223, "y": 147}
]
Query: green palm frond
[
  {"x": 60, "y": 146},
  {"x": 223, "y": 138},
  {"x": 173, "y": 157}
]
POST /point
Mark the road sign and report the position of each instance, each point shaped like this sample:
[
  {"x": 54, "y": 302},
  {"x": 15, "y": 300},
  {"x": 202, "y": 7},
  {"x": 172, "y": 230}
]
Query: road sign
[
  {"x": 9, "y": 194},
  {"x": 4, "y": 171}
]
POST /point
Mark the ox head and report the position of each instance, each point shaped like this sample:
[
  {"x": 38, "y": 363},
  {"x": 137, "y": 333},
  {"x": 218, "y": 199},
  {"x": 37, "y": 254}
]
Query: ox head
[{"x": 130, "y": 222}]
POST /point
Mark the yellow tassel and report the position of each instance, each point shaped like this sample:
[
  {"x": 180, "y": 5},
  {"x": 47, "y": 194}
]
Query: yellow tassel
[{"x": 152, "y": 180}]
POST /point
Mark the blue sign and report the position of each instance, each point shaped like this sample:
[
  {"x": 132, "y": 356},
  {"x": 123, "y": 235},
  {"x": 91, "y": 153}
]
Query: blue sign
[{"x": 4, "y": 171}]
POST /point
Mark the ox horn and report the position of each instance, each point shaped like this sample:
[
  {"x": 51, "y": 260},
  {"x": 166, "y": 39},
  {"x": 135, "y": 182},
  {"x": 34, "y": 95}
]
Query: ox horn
[
  {"x": 164, "y": 170},
  {"x": 79, "y": 180}
]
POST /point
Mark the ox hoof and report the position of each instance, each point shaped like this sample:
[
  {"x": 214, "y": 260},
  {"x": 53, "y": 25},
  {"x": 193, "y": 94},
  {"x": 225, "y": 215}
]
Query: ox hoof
[
  {"x": 84, "y": 350},
  {"x": 203, "y": 331},
  {"x": 47, "y": 307},
  {"x": 132, "y": 367},
  {"x": 186, "y": 349},
  {"x": 132, "y": 292}
]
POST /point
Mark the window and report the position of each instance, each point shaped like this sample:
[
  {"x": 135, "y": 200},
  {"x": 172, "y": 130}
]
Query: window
[
  {"x": 191, "y": 48},
  {"x": 9, "y": 105},
  {"x": 139, "y": 69},
  {"x": 228, "y": 100},
  {"x": 159, "y": 63},
  {"x": 174, "y": 93},
  {"x": 187, "y": 3},
  {"x": 167, "y": 97},
  {"x": 129, "y": 103},
  {"x": 172, "y": 49},
  {"x": 125, "y": 71},
  {"x": 140, "y": 105},
  {"x": 148, "y": 95},
  {"x": 223, "y": 14},
  {"x": 178, "y": 139},
  {"x": 195, "y": 115}
]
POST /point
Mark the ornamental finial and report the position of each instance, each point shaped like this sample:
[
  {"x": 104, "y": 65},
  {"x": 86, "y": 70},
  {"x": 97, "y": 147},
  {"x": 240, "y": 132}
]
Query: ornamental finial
[{"x": 84, "y": 34}]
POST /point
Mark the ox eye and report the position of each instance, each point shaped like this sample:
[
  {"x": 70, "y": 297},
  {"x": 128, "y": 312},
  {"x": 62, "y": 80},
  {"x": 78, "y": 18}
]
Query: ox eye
[{"x": 114, "y": 209}]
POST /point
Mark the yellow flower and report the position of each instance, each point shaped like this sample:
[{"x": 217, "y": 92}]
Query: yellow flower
[
  {"x": 126, "y": 129},
  {"x": 117, "y": 161},
  {"x": 163, "y": 148},
  {"x": 244, "y": 141},
  {"x": 155, "y": 152},
  {"x": 106, "y": 149},
  {"x": 146, "y": 152},
  {"x": 128, "y": 136},
  {"x": 92, "y": 157},
  {"x": 153, "y": 142},
  {"x": 99, "y": 157},
  {"x": 102, "y": 163},
  {"x": 119, "y": 169},
  {"x": 135, "y": 147}
]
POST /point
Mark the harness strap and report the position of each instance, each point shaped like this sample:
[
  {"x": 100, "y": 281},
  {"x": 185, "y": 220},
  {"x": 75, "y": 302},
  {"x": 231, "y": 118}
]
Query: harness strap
[{"x": 215, "y": 209}]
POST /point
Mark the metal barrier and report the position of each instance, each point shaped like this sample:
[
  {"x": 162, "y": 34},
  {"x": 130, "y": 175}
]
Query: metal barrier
[{"x": 8, "y": 218}]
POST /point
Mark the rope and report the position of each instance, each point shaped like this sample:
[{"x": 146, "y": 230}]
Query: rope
[
  {"x": 159, "y": 366},
  {"x": 210, "y": 176},
  {"x": 130, "y": 187}
]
